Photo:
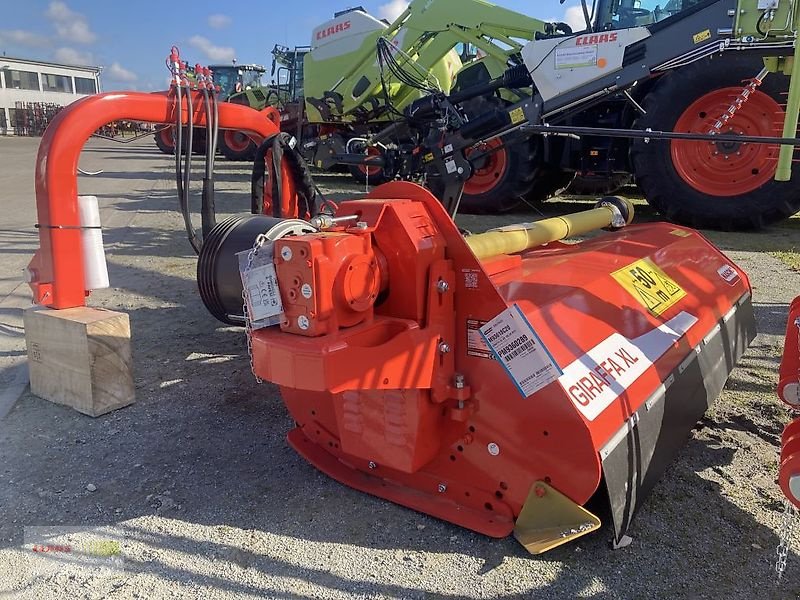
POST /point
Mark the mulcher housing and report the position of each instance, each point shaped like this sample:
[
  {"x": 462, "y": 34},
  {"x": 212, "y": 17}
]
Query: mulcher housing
[{"x": 395, "y": 392}]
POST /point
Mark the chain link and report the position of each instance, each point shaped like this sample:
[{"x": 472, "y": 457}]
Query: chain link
[
  {"x": 785, "y": 534},
  {"x": 248, "y": 329}
]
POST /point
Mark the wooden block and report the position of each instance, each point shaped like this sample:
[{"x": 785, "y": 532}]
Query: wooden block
[{"x": 80, "y": 357}]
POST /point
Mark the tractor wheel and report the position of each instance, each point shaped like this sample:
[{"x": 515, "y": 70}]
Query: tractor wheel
[
  {"x": 500, "y": 179},
  {"x": 165, "y": 140},
  {"x": 365, "y": 174},
  {"x": 598, "y": 185},
  {"x": 235, "y": 145},
  {"x": 715, "y": 185}
]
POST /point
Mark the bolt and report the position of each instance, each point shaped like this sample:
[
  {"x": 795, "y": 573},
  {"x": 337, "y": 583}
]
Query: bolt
[
  {"x": 459, "y": 381},
  {"x": 361, "y": 225},
  {"x": 444, "y": 348},
  {"x": 286, "y": 253},
  {"x": 442, "y": 286},
  {"x": 460, "y": 170},
  {"x": 303, "y": 322},
  {"x": 442, "y": 488},
  {"x": 372, "y": 465}
]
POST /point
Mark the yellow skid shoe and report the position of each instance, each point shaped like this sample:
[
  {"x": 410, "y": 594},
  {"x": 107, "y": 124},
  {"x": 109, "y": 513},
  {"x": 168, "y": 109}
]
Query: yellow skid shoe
[{"x": 549, "y": 519}]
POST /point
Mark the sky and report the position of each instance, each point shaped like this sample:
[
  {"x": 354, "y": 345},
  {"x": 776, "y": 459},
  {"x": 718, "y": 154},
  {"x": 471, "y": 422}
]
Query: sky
[{"x": 131, "y": 39}]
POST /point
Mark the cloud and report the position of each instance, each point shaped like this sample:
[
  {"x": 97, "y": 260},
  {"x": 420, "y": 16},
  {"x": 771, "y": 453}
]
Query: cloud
[
  {"x": 70, "y": 26},
  {"x": 392, "y": 9},
  {"x": 573, "y": 17},
  {"x": 212, "y": 52},
  {"x": 219, "y": 21},
  {"x": 21, "y": 37},
  {"x": 117, "y": 72},
  {"x": 71, "y": 56}
]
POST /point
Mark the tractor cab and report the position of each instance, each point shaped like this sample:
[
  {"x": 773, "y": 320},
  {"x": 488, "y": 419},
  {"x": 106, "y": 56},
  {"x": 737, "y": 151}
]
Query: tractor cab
[
  {"x": 625, "y": 14},
  {"x": 287, "y": 71},
  {"x": 233, "y": 79}
]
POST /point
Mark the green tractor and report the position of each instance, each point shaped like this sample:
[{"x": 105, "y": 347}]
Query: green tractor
[{"x": 350, "y": 92}]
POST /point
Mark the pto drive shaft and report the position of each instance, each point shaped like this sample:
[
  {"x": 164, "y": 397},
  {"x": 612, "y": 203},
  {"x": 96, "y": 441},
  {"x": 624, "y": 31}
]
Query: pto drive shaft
[{"x": 612, "y": 212}]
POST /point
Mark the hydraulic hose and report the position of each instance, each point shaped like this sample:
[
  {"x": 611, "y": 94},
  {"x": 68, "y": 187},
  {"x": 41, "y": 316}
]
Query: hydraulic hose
[
  {"x": 187, "y": 173},
  {"x": 179, "y": 143},
  {"x": 208, "y": 210}
]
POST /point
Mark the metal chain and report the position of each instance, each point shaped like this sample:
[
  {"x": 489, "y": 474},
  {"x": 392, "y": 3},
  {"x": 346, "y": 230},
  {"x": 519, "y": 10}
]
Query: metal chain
[
  {"x": 785, "y": 535},
  {"x": 248, "y": 329},
  {"x": 740, "y": 101}
]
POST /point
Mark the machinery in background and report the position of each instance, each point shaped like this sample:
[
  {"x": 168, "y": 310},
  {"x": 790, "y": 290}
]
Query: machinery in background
[
  {"x": 689, "y": 67},
  {"x": 237, "y": 83},
  {"x": 346, "y": 96}
]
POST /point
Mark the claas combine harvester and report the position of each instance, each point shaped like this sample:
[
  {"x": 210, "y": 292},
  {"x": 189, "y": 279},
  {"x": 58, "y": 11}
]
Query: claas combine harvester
[{"x": 498, "y": 381}]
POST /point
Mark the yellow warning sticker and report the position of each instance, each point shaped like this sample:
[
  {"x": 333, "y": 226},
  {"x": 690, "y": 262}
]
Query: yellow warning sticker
[
  {"x": 652, "y": 288},
  {"x": 517, "y": 115},
  {"x": 702, "y": 36},
  {"x": 681, "y": 233}
]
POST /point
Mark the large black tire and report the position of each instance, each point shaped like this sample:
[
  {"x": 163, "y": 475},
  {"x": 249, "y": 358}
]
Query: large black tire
[
  {"x": 165, "y": 141},
  {"x": 235, "y": 145},
  {"x": 707, "y": 185},
  {"x": 500, "y": 181}
]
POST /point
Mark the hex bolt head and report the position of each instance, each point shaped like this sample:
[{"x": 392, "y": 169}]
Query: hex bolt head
[
  {"x": 286, "y": 253},
  {"x": 442, "y": 488},
  {"x": 442, "y": 286},
  {"x": 361, "y": 225},
  {"x": 303, "y": 322},
  {"x": 372, "y": 465},
  {"x": 444, "y": 348},
  {"x": 458, "y": 381}
]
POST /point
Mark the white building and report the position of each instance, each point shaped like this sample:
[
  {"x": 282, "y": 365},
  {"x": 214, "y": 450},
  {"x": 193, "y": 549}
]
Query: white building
[{"x": 35, "y": 81}]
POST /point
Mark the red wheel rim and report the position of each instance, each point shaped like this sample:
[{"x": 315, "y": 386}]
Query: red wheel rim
[
  {"x": 236, "y": 141},
  {"x": 728, "y": 169},
  {"x": 371, "y": 171},
  {"x": 167, "y": 138},
  {"x": 489, "y": 170}
]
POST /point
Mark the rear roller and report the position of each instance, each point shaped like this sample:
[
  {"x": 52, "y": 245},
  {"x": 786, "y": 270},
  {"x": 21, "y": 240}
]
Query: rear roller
[{"x": 722, "y": 185}]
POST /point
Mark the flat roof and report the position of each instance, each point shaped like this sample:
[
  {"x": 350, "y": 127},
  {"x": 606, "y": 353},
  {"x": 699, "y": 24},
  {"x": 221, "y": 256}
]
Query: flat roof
[{"x": 43, "y": 63}]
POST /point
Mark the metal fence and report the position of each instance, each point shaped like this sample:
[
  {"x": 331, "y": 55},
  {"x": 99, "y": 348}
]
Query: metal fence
[{"x": 31, "y": 118}]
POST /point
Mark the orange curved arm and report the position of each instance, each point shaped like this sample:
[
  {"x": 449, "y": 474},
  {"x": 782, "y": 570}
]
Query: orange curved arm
[{"x": 56, "y": 271}]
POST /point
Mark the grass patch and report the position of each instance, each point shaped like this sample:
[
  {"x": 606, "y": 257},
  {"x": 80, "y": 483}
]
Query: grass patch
[{"x": 790, "y": 258}]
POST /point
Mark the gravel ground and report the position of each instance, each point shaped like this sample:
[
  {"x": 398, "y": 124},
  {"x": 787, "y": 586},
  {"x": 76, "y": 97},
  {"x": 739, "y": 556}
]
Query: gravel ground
[{"x": 210, "y": 501}]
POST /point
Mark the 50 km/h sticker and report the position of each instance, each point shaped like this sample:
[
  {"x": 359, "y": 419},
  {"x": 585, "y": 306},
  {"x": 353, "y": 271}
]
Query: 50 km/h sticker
[{"x": 652, "y": 288}]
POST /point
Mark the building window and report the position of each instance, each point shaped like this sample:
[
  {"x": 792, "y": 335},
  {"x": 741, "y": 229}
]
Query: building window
[
  {"x": 56, "y": 83},
  {"x": 22, "y": 80},
  {"x": 12, "y": 117},
  {"x": 3, "y": 122},
  {"x": 84, "y": 85}
]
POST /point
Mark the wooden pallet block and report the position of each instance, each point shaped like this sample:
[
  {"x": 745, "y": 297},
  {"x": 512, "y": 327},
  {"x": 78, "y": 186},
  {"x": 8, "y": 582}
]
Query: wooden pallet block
[{"x": 80, "y": 357}]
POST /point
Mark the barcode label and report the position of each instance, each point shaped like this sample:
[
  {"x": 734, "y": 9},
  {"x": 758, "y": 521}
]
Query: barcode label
[{"x": 520, "y": 350}]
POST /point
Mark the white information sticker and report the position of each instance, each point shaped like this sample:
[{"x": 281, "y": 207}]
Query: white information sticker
[
  {"x": 520, "y": 350},
  {"x": 572, "y": 58},
  {"x": 263, "y": 292}
]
